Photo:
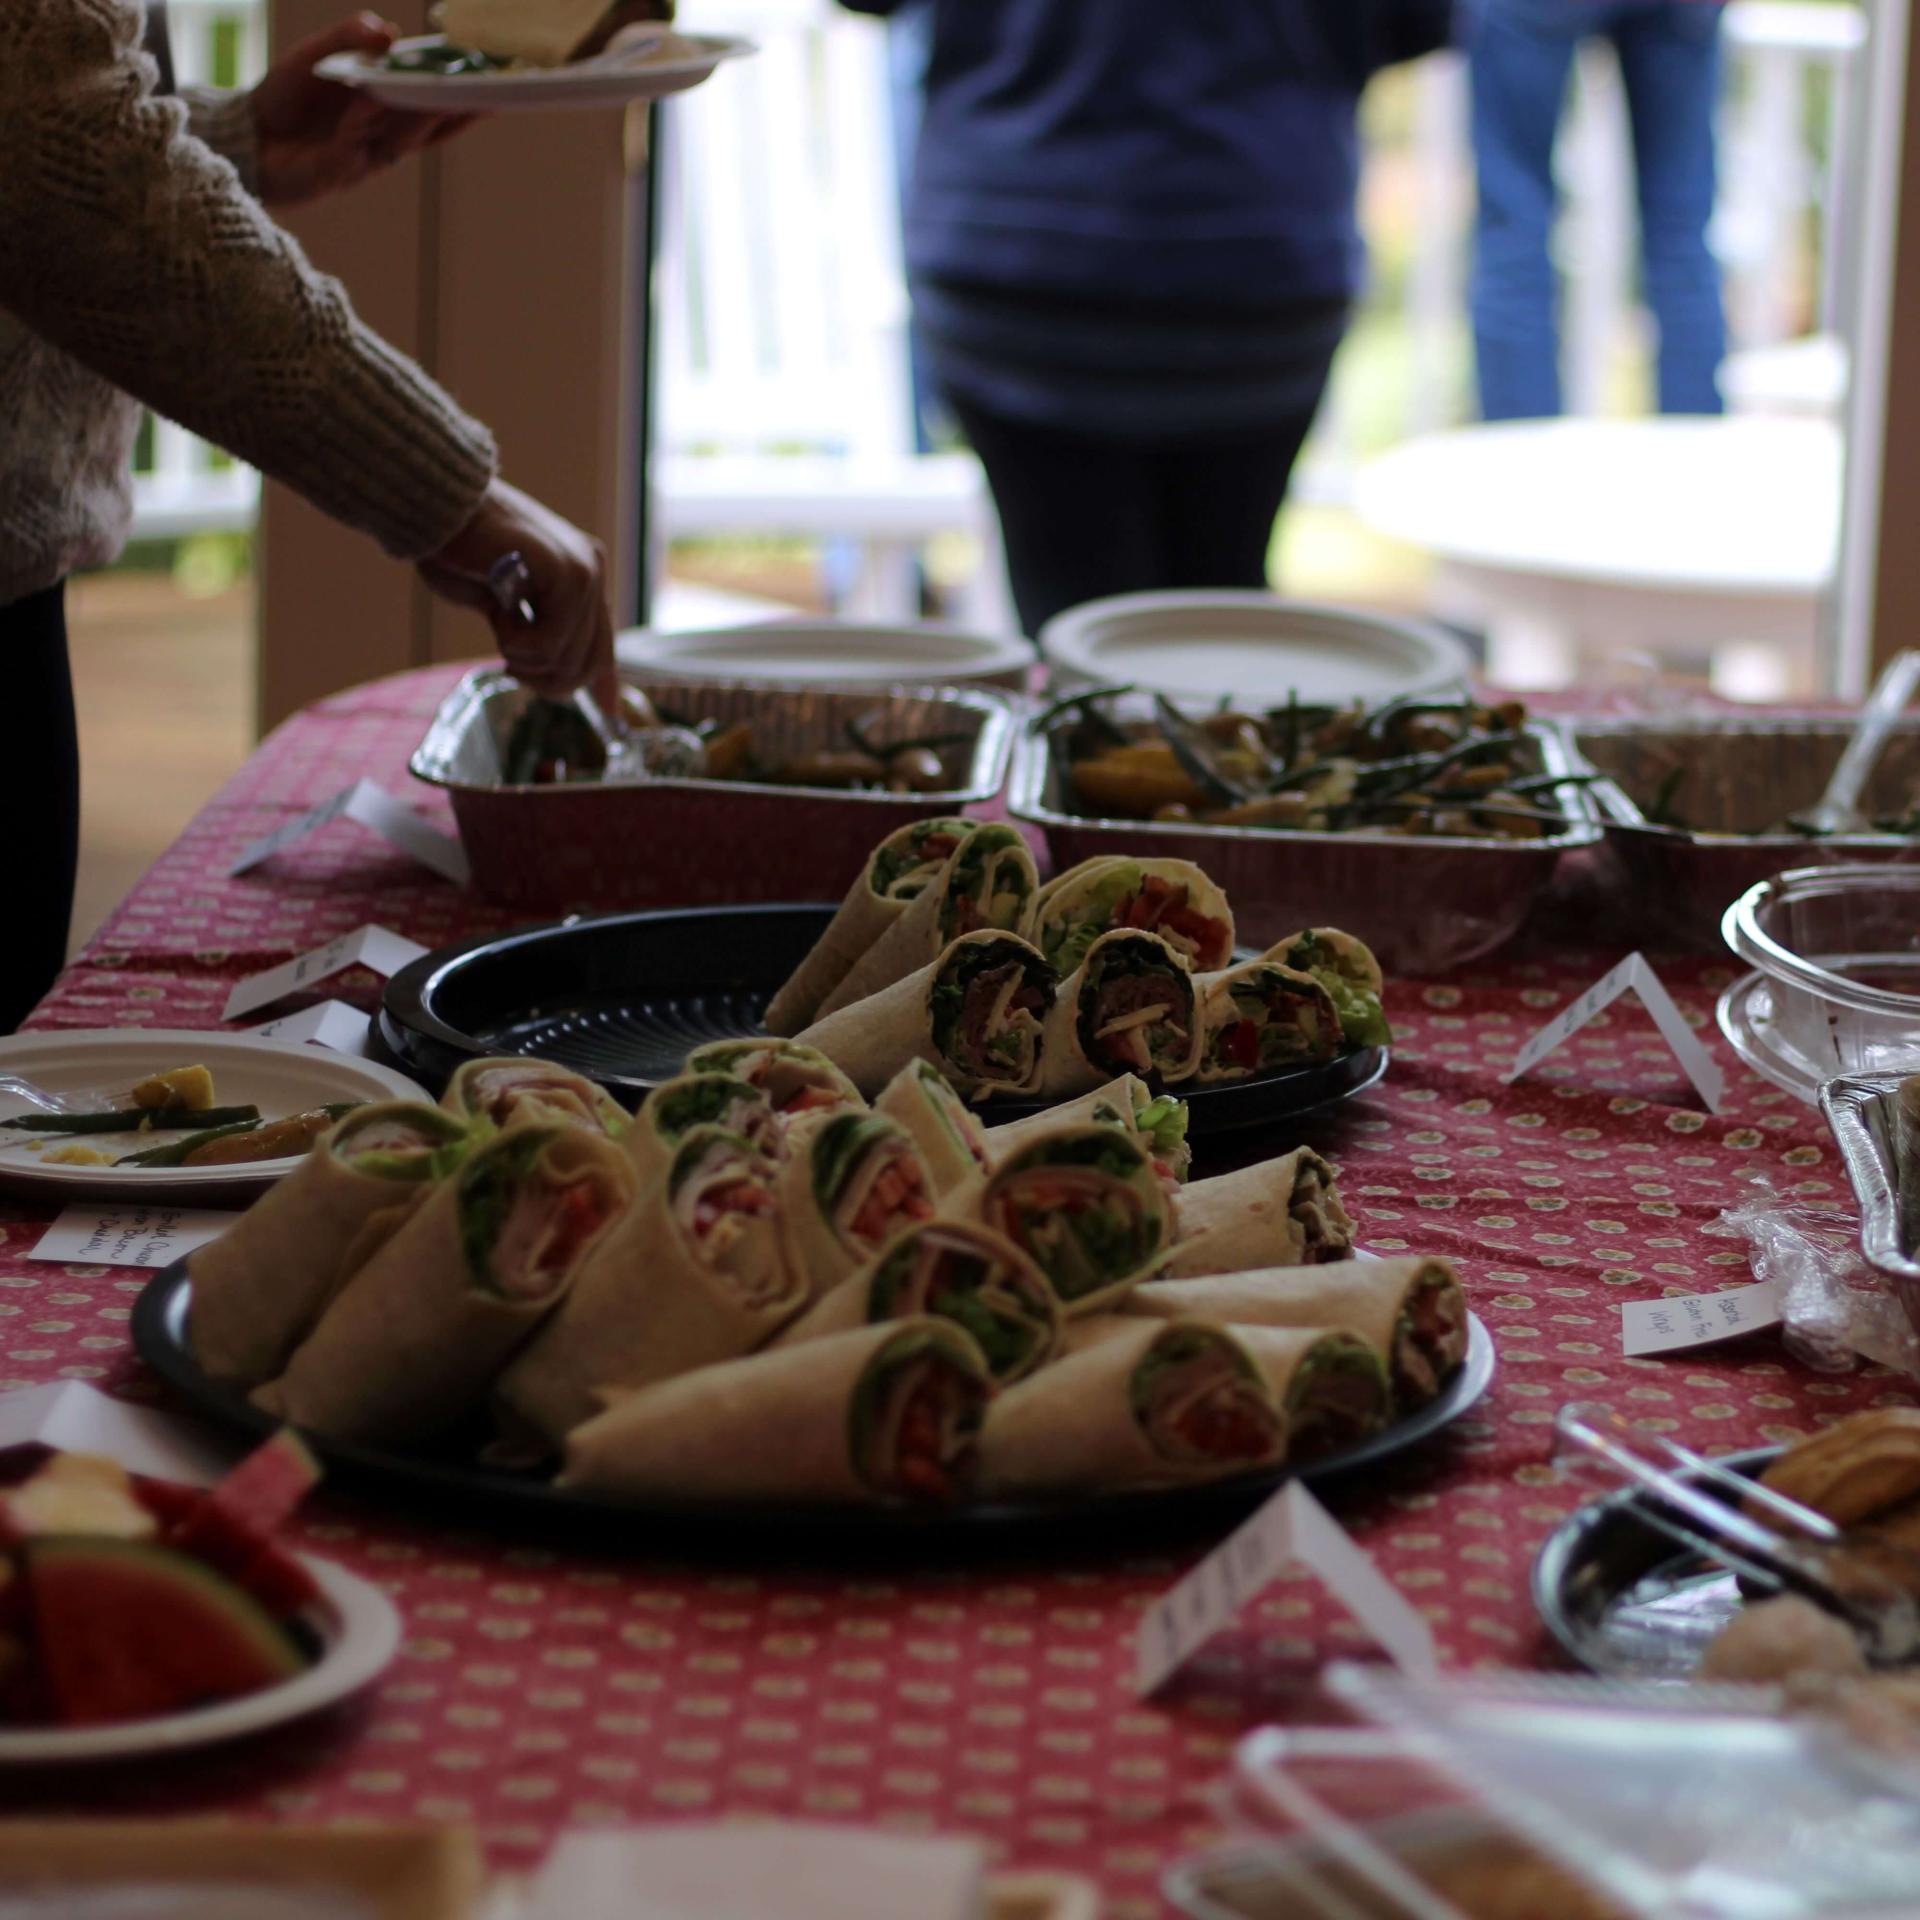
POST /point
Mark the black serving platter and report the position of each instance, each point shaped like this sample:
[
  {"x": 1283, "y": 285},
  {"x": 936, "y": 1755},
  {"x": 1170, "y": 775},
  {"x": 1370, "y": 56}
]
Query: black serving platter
[
  {"x": 1623, "y": 1599},
  {"x": 453, "y": 1478},
  {"x": 625, "y": 997}
]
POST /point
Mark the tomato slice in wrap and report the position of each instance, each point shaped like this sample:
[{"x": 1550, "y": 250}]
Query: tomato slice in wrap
[
  {"x": 868, "y": 1180},
  {"x": 527, "y": 1217},
  {"x": 957, "y": 1271},
  {"x": 987, "y": 1004},
  {"x": 913, "y": 1422},
  {"x": 1172, "y": 898},
  {"x": 1264, "y": 1017},
  {"x": 1200, "y": 1401}
]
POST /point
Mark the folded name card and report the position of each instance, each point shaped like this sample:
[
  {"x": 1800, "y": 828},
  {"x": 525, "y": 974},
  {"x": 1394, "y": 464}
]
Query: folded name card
[
  {"x": 379, "y": 949},
  {"x": 374, "y": 808}
]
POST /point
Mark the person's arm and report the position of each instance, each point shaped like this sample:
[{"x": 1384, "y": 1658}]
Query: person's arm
[{"x": 130, "y": 245}]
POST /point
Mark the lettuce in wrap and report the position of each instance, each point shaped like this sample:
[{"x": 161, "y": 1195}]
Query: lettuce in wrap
[{"x": 1349, "y": 972}]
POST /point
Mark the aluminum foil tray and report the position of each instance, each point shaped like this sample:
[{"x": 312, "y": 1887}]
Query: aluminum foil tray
[
  {"x": 1423, "y": 905},
  {"x": 1864, "y": 1112},
  {"x": 697, "y": 842},
  {"x": 1743, "y": 774}
]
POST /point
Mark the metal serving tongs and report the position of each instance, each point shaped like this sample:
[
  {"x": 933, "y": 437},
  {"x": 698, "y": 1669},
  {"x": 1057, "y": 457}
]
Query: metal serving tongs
[{"x": 1848, "y": 1570}]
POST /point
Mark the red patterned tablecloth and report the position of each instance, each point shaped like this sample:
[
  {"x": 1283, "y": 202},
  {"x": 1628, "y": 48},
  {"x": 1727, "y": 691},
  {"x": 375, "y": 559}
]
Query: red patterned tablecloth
[{"x": 543, "y": 1685}]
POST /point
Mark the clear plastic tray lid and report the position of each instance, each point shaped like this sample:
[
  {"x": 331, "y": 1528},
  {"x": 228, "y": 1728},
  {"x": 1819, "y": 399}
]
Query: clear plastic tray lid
[{"x": 1705, "y": 1803}]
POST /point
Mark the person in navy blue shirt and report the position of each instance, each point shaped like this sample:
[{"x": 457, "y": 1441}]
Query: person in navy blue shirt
[{"x": 1132, "y": 247}]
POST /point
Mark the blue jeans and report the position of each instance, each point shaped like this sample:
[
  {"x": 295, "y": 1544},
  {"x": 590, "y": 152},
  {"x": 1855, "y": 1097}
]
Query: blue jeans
[{"x": 1520, "y": 53}]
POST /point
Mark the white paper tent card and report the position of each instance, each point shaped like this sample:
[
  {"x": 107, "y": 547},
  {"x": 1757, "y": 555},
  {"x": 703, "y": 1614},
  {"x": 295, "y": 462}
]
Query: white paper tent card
[{"x": 77, "y": 1418}]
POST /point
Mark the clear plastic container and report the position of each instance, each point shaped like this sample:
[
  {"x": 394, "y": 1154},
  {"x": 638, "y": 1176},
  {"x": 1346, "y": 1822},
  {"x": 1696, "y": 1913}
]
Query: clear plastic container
[{"x": 1836, "y": 981}]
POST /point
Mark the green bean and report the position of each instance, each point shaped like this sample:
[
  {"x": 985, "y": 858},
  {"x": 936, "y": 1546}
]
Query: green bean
[{"x": 132, "y": 1120}]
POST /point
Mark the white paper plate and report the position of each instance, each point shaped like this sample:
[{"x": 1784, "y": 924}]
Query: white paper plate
[
  {"x": 607, "y": 81},
  {"x": 1254, "y": 646},
  {"x": 360, "y": 1633},
  {"x": 277, "y": 1076},
  {"x": 831, "y": 653}
]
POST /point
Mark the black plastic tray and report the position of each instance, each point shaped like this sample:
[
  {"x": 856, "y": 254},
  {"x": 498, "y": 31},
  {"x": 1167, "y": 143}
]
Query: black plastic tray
[
  {"x": 1623, "y": 1599},
  {"x": 625, "y": 997},
  {"x": 451, "y": 1479}
]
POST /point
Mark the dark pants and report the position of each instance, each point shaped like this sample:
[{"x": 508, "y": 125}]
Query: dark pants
[
  {"x": 1083, "y": 518},
  {"x": 40, "y": 749}
]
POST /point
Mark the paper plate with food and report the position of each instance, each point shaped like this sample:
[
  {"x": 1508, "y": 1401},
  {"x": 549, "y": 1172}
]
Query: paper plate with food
[
  {"x": 152, "y": 1114},
  {"x": 140, "y": 1617},
  {"x": 764, "y": 1298},
  {"x": 521, "y": 56}
]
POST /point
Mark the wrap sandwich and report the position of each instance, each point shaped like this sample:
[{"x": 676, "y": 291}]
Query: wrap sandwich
[
  {"x": 1411, "y": 1311},
  {"x": 955, "y": 1270},
  {"x": 1131, "y": 1006},
  {"x": 1172, "y": 898},
  {"x": 1157, "y": 1120},
  {"x": 1182, "y": 1403},
  {"x": 1261, "y": 1017},
  {"x": 1349, "y": 972},
  {"x": 499, "y": 1091},
  {"x": 694, "y": 1273},
  {"x": 1275, "y": 1213},
  {"x": 851, "y": 1185},
  {"x": 676, "y": 1107},
  {"x": 1084, "y": 1204},
  {"x": 797, "y": 1080},
  {"x": 951, "y": 1140},
  {"x": 988, "y": 886},
  {"x": 976, "y": 1013},
  {"x": 896, "y": 873},
  {"x": 414, "y": 1338},
  {"x": 259, "y": 1289},
  {"x": 880, "y": 1413}
]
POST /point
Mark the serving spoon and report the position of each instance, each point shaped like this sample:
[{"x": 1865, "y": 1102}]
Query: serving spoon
[{"x": 1837, "y": 810}]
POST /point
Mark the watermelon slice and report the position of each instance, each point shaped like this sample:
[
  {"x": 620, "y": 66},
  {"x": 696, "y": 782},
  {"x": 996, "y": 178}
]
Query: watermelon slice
[{"x": 125, "y": 1631}]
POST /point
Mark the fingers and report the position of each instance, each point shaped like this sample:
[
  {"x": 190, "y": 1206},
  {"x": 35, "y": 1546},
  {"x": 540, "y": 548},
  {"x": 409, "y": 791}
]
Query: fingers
[
  {"x": 603, "y": 675},
  {"x": 363, "y": 33},
  {"x": 461, "y": 588}
]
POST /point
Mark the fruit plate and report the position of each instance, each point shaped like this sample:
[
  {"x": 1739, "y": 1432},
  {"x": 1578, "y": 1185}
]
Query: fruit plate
[
  {"x": 277, "y": 1076},
  {"x": 1625, "y": 1601},
  {"x": 359, "y": 1633},
  {"x": 625, "y": 997},
  {"x": 452, "y": 1478}
]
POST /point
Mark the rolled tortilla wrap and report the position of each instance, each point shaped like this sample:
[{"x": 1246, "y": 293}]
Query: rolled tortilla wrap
[
  {"x": 976, "y": 1013},
  {"x": 1084, "y": 1204},
  {"x": 676, "y": 1107},
  {"x": 1128, "y": 1412},
  {"x": 1172, "y": 898},
  {"x": 881, "y": 1413},
  {"x": 1157, "y": 1120},
  {"x": 1130, "y": 1006},
  {"x": 416, "y": 1336},
  {"x": 896, "y": 873},
  {"x": 694, "y": 1273},
  {"x": 852, "y": 1184},
  {"x": 1262, "y": 1017},
  {"x": 1345, "y": 966},
  {"x": 260, "y": 1288},
  {"x": 1413, "y": 1312},
  {"x": 798, "y": 1080},
  {"x": 988, "y": 886},
  {"x": 513, "y": 1087},
  {"x": 1275, "y": 1213},
  {"x": 951, "y": 1140},
  {"x": 955, "y": 1270}
]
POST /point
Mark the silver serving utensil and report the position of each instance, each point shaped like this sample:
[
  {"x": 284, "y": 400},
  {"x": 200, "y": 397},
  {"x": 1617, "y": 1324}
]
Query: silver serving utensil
[
  {"x": 1838, "y": 809},
  {"x": 1196, "y": 753},
  {"x": 1802, "y": 1554}
]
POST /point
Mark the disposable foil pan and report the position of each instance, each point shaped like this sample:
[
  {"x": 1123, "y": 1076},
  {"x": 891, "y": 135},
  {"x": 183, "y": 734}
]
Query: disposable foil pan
[
  {"x": 697, "y": 842},
  {"x": 1422, "y": 904},
  {"x": 1742, "y": 775},
  {"x": 1864, "y": 1112}
]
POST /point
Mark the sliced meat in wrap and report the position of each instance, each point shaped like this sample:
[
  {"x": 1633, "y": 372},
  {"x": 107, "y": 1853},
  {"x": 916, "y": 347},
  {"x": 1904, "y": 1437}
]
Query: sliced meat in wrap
[
  {"x": 1129, "y": 1007},
  {"x": 500, "y": 1091},
  {"x": 949, "y": 1136},
  {"x": 1276, "y": 1213}
]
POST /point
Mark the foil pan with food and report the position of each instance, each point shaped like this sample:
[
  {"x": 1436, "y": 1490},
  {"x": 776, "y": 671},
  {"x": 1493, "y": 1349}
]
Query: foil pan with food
[
  {"x": 757, "y": 792},
  {"x": 1426, "y": 826},
  {"x": 1699, "y": 810}
]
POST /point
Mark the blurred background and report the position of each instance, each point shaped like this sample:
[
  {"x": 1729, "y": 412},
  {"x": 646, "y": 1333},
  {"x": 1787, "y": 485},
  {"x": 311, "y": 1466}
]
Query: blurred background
[{"x": 796, "y": 466}]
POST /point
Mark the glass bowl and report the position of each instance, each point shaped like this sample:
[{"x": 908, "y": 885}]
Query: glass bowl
[{"x": 1836, "y": 981}]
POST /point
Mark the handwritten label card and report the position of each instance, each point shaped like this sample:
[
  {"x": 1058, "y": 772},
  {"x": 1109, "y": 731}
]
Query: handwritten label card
[
  {"x": 1632, "y": 975},
  {"x": 1291, "y": 1529},
  {"x": 332, "y": 1024},
  {"x": 1697, "y": 1319},
  {"x": 130, "y": 1236},
  {"x": 374, "y": 808},
  {"x": 378, "y": 948}
]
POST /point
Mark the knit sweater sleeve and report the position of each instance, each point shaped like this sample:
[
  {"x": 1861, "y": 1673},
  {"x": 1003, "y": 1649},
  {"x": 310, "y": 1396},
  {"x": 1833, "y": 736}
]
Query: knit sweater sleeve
[
  {"x": 223, "y": 120},
  {"x": 131, "y": 246}
]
